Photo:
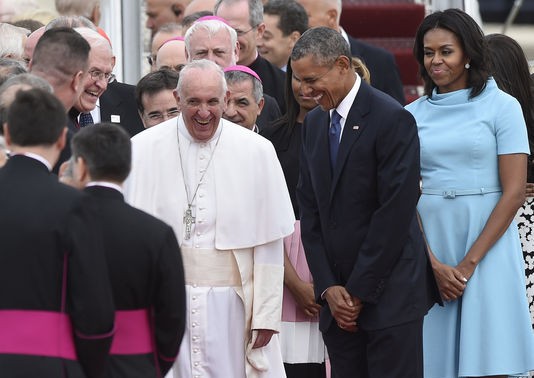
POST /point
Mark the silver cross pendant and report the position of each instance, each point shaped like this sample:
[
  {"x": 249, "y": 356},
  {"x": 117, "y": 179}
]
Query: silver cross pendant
[{"x": 189, "y": 219}]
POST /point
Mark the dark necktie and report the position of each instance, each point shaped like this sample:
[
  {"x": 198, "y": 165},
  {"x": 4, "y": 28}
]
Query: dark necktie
[
  {"x": 333, "y": 134},
  {"x": 86, "y": 119}
]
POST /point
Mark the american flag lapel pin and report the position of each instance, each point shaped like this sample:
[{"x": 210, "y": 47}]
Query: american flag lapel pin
[{"x": 355, "y": 127}]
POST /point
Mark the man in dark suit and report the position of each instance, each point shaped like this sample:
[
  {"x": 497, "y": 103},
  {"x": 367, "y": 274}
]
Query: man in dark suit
[
  {"x": 381, "y": 63},
  {"x": 246, "y": 17},
  {"x": 56, "y": 308},
  {"x": 143, "y": 256},
  {"x": 118, "y": 105},
  {"x": 357, "y": 194}
]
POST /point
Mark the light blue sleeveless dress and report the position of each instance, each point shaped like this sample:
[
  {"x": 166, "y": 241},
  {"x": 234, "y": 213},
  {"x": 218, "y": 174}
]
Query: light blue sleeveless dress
[{"x": 487, "y": 331}]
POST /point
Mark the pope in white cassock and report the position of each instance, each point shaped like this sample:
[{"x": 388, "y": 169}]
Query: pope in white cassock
[{"x": 221, "y": 187}]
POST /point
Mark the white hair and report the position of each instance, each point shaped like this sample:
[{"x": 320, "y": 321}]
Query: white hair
[
  {"x": 76, "y": 7},
  {"x": 212, "y": 27},
  {"x": 12, "y": 41}
]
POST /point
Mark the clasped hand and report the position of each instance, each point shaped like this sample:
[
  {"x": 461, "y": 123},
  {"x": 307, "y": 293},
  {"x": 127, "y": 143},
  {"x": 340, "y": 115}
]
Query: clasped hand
[
  {"x": 344, "y": 307},
  {"x": 451, "y": 281}
]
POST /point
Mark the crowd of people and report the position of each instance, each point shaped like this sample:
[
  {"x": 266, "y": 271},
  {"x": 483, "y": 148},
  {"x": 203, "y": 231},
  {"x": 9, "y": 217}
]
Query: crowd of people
[{"x": 263, "y": 203}]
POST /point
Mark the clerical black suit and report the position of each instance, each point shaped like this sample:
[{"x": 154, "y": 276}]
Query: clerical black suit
[
  {"x": 146, "y": 273},
  {"x": 382, "y": 67},
  {"x": 359, "y": 226},
  {"x": 56, "y": 309},
  {"x": 118, "y": 102},
  {"x": 273, "y": 80}
]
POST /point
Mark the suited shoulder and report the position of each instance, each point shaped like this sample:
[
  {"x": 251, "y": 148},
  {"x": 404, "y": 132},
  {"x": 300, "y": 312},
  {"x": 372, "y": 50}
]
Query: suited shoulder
[
  {"x": 121, "y": 88},
  {"x": 150, "y": 224}
]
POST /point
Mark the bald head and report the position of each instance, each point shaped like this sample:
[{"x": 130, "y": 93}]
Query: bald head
[
  {"x": 171, "y": 55},
  {"x": 323, "y": 13},
  {"x": 199, "y": 6},
  {"x": 31, "y": 41}
]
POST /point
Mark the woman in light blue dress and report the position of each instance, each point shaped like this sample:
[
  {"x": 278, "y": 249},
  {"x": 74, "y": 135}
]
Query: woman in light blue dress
[{"x": 474, "y": 150}]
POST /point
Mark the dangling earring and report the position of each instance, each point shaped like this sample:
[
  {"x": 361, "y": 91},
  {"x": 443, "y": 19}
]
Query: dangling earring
[{"x": 467, "y": 66}]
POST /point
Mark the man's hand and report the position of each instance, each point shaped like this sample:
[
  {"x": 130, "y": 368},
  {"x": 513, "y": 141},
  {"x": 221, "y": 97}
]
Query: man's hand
[
  {"x": 344, "y": 308},
  {"x": 263, "y": 338}
]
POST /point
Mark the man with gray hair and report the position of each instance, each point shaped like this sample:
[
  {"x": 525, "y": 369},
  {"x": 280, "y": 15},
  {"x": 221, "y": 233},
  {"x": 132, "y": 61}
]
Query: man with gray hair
[
  {"x": 381, "y": 63},
  {"x": 212, "y": 38},
  {"x": 245, "y": 98},
  {"x": 12, "y": 39},
  {"x": 357, "y": 193},
  {"x": 246, "y": 17},
  {"x": 230, "y": 222},
  {"x": 89, "y": 9}
]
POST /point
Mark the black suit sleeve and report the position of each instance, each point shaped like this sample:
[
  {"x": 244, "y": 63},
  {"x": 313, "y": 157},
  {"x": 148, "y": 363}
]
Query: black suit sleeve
[
  {"x": 89, "y": 295},
  {"x": 398, "y": 172},
  {"x": 169, "y": 308}
]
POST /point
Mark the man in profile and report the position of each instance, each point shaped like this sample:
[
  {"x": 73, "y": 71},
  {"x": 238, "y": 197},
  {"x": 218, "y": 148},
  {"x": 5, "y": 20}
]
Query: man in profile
[{"x": 57, "y": 313}]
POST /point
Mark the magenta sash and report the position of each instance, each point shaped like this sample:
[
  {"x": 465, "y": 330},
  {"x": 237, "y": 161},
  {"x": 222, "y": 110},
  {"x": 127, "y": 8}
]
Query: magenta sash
[{"x": 49, "y": 334}]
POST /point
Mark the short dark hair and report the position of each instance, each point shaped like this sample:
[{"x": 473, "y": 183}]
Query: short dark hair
[
  {"x": 153, "y": 83},
  {"x": 471, "y": 39},
  {"x": 323, "y": 44},
  {"x": 35, "y": 118},
  {"x": 293, "y": 16},
  {"x": 106, "y": 149},
  {"x": 191, "y": 18},
  {"x": 61, "y": 49},
  {"x": 30, "y": 24}
]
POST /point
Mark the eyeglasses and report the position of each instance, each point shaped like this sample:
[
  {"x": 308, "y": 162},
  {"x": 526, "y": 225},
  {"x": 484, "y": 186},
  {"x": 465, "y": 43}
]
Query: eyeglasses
[
  {"x": 241, "y": 33},
  {"x": 99, "y": 75},
  {"x": 151, "y": 59},
  {"x": 158, "y": 116}
]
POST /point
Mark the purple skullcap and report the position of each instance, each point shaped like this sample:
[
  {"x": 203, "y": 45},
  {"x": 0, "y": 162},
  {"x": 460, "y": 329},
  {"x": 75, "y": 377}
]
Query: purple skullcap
[
  {"x": 173, "y": 39},
  {"x": 208, "y": 18},
  {"x": 244, "y": 69}
]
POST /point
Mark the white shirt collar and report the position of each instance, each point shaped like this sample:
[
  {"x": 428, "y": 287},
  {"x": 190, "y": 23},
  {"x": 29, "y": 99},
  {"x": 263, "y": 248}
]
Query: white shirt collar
[
  {"x": 344, "y": 106},
  {"x": 105, "y": 184}
]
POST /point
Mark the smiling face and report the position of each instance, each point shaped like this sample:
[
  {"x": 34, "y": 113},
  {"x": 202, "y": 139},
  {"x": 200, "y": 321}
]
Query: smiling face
[
  {"x": 274, "y": 45},
  {"x": 100, "y": 60},
  {"x": 242, "y": 108},
  {"x": 202, "y": 101},
  {"x": 444, "y": 60},
  {"x": 326, "y": 85},
  {"x": 237, "y": 15}
]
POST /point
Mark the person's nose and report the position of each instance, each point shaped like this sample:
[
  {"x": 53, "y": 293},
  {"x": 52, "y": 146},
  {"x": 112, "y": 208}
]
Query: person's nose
[
  {"x": 203, "y": 111},
  {"x": 230, "y": 109}
]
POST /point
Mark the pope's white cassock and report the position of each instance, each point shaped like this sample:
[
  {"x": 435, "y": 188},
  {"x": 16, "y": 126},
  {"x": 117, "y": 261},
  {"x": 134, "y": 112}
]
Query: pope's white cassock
[{"x": 233, "y": 258}]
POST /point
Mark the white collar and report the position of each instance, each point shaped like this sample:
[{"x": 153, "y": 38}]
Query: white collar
[
  {"x": 35, "y": 156},
  {"x": 344, "y": 106}
]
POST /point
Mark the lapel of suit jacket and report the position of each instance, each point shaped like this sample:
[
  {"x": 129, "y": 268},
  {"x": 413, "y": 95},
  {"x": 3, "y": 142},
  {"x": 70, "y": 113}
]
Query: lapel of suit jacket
[{"x": 353, "y": 129}]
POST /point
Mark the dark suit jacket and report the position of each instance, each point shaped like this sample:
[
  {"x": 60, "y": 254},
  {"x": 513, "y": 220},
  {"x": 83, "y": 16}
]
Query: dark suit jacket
[
  {"x": 52, "y": 260},
  {"x": 119, "y": 99},
  {"x": 146, "y": 272},
  {"x": 273, "y": 80},
  {"x": 382, "y": 67},
  {"x": 269, "y": 113},
  {"x": 358, "y": 223}
]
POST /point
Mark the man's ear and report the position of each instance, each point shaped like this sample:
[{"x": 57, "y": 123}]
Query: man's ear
[
  {"x": 332, "y": 19},
  {"x": 260, "y": 31},
  {"x": 7, "y": 136},
  {"x": 61, "y": 142},
  {"x": 77, "y": 80},
  {"x": 81, "y": 170},
  {"x": 261, "y": 104}
]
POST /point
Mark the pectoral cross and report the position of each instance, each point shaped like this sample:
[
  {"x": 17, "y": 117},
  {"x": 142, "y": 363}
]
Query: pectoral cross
[{"x": 189, "y": 219}]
